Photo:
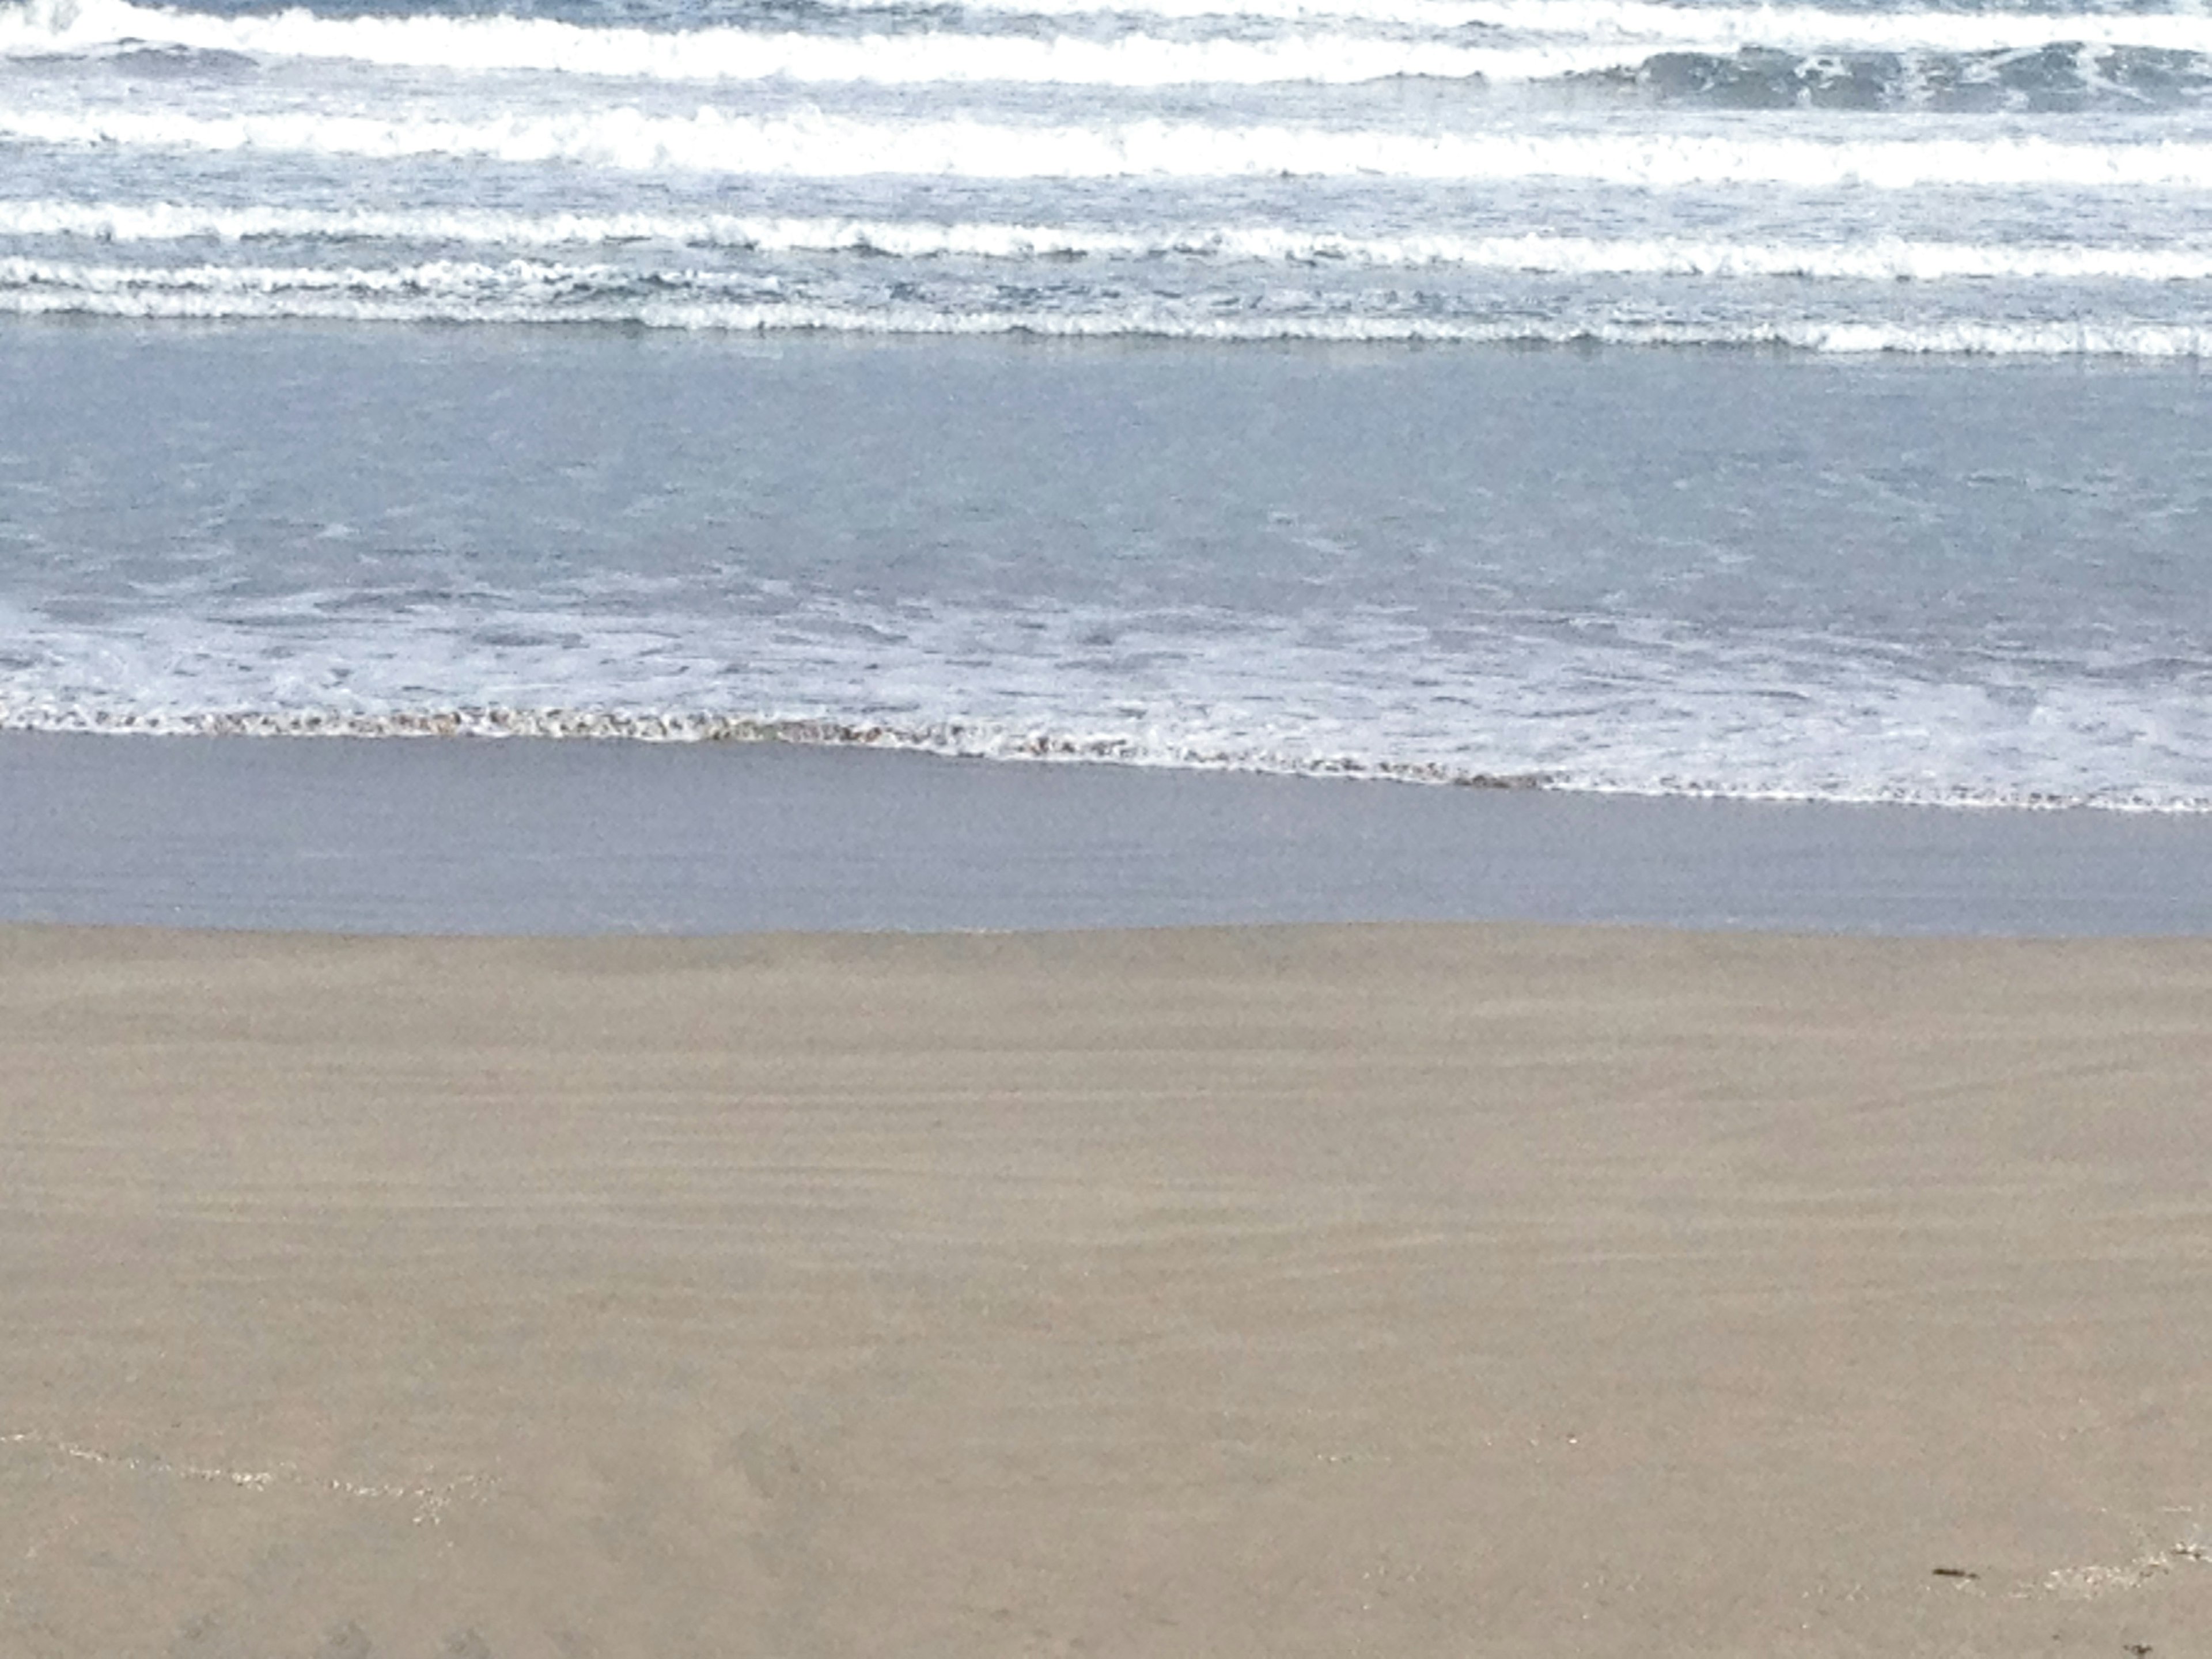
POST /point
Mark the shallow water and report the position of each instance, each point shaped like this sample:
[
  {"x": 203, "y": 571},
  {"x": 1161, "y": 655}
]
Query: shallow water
[{"x": 1665, "y": 572}]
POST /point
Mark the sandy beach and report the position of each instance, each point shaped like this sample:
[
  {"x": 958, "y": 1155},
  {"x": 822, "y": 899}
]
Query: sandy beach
[{"x": 1404, "y": 1291}]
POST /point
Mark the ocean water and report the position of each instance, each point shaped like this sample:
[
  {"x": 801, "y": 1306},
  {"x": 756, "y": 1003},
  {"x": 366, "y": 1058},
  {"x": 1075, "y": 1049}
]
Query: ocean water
[
  {"x": 1864, "y": 175},
  {"x": 1762, "y": 401}
]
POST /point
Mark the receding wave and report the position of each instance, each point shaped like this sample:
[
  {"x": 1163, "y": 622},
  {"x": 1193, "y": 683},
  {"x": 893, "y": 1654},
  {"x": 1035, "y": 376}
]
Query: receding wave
[
  {"x": 823, "y": 146},
  {"x": 1881, "y": 260},
  {"x": 522, "y": 291}
]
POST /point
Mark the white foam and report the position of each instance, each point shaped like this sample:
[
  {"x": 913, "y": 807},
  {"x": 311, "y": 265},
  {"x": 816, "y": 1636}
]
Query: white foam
[
  {"x": 1878, "y": 259},
  {"x": 829, "y": 146}
]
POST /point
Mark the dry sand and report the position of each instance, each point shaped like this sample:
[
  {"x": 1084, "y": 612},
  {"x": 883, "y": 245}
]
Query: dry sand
[{"x": 1404, "y": 1292}]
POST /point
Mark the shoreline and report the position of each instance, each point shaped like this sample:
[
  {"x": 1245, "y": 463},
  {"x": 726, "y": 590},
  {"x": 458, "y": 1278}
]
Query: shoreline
[
  {"x": 521, "y": 836},
  {"x": 956, "y": 746}
]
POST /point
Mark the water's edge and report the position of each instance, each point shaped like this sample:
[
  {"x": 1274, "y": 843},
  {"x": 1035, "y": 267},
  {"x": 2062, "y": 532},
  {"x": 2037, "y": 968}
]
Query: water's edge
[{"x": 538, "y": 837}]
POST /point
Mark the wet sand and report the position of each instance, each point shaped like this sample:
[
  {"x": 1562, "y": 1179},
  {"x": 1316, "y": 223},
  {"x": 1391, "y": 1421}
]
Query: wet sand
[
  {"x": 1405, "y": 1290},
  {"x": 517, "y": 835}
]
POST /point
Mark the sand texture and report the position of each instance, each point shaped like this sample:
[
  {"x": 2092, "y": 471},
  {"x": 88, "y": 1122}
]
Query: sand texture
[{"x": 1404, "y": 1292}]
